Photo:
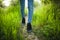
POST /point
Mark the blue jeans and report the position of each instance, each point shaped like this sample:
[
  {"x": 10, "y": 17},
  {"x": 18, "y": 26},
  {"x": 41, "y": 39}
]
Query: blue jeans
[{"x": 30, "y": 9}]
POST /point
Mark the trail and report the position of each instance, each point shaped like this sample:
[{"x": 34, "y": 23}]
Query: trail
[{"x": 28, "y": 36}]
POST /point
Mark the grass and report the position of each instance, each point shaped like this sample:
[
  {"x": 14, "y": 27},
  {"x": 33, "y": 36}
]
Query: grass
[
  {"x": 46, "y": 27},
  {"x": 44, "y": 24},
  {"x": 10, "y": 22}
]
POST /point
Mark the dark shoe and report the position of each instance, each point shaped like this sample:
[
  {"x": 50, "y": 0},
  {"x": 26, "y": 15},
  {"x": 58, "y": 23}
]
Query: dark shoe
[
  {"x": 23, "y": 20},
  {"x": 29, "y": 28}
]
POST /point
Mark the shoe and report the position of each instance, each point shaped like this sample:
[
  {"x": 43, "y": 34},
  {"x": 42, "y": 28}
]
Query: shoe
[
  {"x": 29, "y": 28},
  {"x": 23, "y": 20}
]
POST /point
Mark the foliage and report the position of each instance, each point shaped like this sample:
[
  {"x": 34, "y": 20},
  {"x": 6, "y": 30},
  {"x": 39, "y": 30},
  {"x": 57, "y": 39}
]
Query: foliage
[
  {"x": 46, "y": 21},
  {"x": 10, "y": 23}
]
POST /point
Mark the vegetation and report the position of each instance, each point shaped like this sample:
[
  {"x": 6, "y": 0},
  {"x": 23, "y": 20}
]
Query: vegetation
[{"x": 46, "y": 21}]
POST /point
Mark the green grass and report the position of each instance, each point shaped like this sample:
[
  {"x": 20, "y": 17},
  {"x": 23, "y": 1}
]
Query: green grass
[
  {"x": 44, "y": 24},
  {"x": 10, "y": 22},
  {"x": 46, "y": 27}
]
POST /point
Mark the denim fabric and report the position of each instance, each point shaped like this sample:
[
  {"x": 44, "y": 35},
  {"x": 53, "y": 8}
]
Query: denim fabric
[
  {"x": 30, "y": 9},
  {"x": 22, "y": 3}
]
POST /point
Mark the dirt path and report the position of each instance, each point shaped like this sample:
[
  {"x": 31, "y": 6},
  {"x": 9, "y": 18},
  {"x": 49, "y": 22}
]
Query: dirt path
[{"x": 28, "y": 36}]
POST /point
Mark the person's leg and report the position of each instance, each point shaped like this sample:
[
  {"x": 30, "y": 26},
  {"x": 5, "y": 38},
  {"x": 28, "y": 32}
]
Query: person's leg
[
  {"x": 30, "y": 13},
  {"x": 30, "y": 10},
  {"x": 22, "y": 3}
]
